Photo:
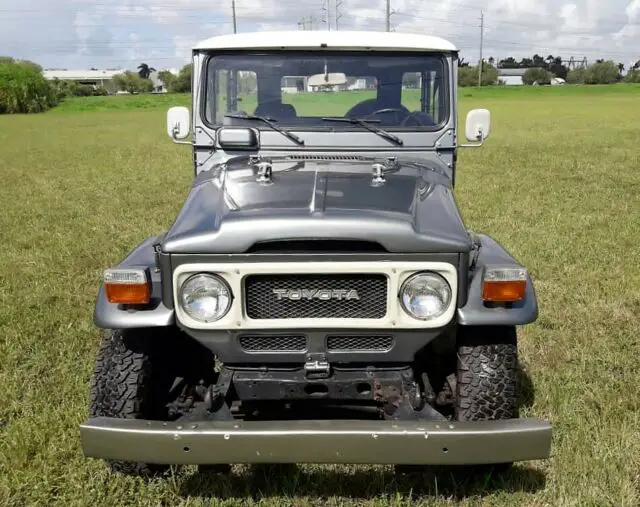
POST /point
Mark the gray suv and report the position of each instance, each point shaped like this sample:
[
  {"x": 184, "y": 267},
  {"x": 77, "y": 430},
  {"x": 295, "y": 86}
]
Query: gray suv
[{"x": 318, "y": 298}]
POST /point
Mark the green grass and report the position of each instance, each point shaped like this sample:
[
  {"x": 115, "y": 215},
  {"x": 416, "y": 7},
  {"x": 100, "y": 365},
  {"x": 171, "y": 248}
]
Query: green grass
[{"x": 557, "y": 183}]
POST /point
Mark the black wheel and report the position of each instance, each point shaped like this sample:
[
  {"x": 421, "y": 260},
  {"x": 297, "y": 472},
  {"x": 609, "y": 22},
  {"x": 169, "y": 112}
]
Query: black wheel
[
  {"x": 131, "y": 380},
  {"x": 487, "y": 375}
]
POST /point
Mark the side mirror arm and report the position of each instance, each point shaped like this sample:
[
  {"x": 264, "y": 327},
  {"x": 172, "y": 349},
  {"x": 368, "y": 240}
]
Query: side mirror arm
[
  {"x": 174, "y": 138},
  {"x": 480, "y": 137}
]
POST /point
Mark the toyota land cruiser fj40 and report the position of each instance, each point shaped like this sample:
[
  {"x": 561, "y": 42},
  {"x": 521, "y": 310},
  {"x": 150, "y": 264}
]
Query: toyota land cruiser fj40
[{"x": 318, "y": 298}]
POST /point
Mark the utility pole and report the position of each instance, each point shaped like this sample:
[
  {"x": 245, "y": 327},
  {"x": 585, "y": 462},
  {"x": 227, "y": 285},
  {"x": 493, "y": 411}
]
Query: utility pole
[
  {"x": 388, "y": 15},
  {"x": 481, "y": 40},
  {"x": 327, "y": 8},
  {"x": 233, "y": 10},
  {"x": 338, "y": 15}
]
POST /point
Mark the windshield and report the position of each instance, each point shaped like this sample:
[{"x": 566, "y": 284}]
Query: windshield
[{"x": 313, "y": 90}]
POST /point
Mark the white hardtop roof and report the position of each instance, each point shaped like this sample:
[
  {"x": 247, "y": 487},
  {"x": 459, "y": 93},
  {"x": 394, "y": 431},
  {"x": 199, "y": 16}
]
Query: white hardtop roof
[{"x": 337, "y": 40}]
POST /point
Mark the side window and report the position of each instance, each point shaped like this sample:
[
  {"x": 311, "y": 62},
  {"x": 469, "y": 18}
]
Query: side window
[
  {"x": 247, "y": 90},
  {"x": 236, "y": 92},
  {"x": 422, "y": 91},
  {"x": 411, "y": 91}
]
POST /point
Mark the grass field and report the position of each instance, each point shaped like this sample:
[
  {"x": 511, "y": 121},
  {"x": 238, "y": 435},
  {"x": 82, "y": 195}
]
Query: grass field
[{"x": 558, "y": 184}]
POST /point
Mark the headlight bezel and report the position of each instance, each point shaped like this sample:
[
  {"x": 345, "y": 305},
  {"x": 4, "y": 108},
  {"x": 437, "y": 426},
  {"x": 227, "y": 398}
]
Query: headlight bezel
[
  {"x": 432, "y": 274},
  {"x": 216, "y": 278}
]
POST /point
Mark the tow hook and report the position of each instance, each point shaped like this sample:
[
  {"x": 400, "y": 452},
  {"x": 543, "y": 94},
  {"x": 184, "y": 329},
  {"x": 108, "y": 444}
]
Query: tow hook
[{"x": 317, "y": 367}]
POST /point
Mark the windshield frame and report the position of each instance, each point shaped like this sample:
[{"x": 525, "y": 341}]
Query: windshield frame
[{"x": 207, "y": 73}]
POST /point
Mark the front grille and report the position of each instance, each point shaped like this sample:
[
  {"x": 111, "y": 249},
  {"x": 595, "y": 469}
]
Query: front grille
[
  {"x": 359, "y": 343},
  {"x": 273, "y": 343},
  {"x": 316, "y": 296}
]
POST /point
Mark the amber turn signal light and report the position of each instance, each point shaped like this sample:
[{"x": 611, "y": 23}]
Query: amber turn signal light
[
  {"x": 127, "y": 286},
  {"x": 504, "y": 285}
]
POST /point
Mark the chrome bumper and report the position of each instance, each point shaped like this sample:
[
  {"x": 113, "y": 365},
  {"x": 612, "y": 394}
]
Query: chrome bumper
[{"x": 340, "y": 441}]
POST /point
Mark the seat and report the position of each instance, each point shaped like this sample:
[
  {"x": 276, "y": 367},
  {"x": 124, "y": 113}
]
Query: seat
[{"x": 276, "y": 109}]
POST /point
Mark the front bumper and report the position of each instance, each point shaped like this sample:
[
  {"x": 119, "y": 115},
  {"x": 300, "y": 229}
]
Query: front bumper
[{"x": 338, "y": 441}]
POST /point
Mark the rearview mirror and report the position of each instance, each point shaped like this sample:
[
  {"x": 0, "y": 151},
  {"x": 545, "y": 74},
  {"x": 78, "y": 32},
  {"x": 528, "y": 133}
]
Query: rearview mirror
[
  {"x": 330, "y": 79},
  {"x": 178, "y": 123},
  {"x": 478, "y": 125}
]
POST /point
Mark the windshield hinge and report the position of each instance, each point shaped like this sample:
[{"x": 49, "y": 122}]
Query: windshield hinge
[
  {"x": 265, "y": 171},
  {"x": 379, "y": 170}
]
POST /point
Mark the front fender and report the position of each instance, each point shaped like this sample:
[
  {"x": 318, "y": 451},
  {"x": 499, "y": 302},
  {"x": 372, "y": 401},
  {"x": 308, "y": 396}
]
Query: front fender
[
  {"x": 155, "y": 314},
  {"x": 475, "y": 312}
]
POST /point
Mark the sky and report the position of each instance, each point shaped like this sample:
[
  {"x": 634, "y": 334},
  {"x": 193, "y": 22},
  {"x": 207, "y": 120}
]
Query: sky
[{"x": 79, "y": 34}]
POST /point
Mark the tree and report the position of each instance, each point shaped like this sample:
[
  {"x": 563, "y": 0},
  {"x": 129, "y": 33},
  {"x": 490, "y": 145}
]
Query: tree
[
  {"x": 26, "y": 63},
  {"x": 144, "y": 71},
  {"x": 167, "y": 78},
  {"x": 132, "y": 83},
  {"x": 538, "y": 61},
  {"x": 508, "y": 63},
  {"x": 23, "y": 88},
  {"x": 182, "y": 84},
  {"x": 537, "y": 75}
]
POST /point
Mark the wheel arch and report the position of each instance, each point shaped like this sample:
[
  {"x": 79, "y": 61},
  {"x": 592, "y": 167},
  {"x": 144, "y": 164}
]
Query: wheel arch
[
  {"x": 477, "y": 313},
  {"x": 154, "y": 314}
]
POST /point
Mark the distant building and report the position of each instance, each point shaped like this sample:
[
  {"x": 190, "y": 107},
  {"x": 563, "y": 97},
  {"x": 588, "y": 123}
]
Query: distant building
[
  {"x": 511, "y": 77},
  {"x": 93, "y": 78}
]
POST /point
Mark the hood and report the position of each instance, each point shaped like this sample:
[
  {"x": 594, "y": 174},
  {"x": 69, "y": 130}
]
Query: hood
[{"x": 229, "y": 211}]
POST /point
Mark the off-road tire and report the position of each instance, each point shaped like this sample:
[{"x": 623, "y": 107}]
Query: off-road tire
[
  {"x": 487, "y": 378},
  {"x": 487, "y": 374},
  {"x": 131, "y": 380}
]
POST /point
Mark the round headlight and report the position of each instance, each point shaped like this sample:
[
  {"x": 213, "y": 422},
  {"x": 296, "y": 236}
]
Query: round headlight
[
  {"x": 425, "y": 296},
  {"x": 205, "y": 298}
]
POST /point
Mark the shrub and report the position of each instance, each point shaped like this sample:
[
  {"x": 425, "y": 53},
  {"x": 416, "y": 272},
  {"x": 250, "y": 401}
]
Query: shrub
[
  {"x": 82, "y": 90},
  {"x": 23, "y": 89},
  {"x": 468, "y": 76},
  {"x": 576, "y": 76},
  {"x": 537, "y": 75},
  {"x": 133, "y": 83},
  {"x": 602, "y": 73},
  {"x": 598, "y": 73},
  {"x": 633, "y": 76}
]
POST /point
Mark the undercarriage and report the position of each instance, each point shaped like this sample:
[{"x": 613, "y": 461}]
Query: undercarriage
[{"x": 186, "y": 409}]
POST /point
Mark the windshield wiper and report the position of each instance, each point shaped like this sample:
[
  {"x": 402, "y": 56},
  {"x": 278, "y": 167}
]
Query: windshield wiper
[
  {"x": 365, "y": 124},
  {"x": 268, "y": 121}
]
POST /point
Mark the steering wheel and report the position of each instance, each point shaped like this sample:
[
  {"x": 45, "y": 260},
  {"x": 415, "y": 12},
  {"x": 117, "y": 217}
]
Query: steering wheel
[
  {"x": 388, "y": 110},
  {"x": 411, "y": 116}
]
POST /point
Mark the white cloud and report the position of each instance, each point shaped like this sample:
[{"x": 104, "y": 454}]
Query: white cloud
[{"x": 81, "y": 33}]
